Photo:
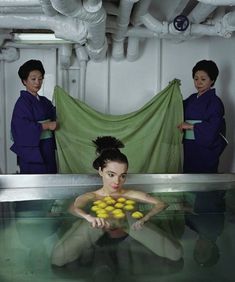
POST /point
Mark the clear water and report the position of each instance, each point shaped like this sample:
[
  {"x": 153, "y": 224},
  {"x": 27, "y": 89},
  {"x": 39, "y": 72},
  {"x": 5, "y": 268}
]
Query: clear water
[{"x": 29, "y": 231}]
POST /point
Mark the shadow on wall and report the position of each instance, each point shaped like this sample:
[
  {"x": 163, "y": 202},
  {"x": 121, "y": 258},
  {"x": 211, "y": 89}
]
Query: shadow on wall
[{"x": 227, "y": 158}]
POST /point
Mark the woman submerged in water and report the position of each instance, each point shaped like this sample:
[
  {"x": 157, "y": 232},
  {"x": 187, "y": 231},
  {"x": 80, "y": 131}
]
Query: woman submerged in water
[{"x": 112, "y": 166}]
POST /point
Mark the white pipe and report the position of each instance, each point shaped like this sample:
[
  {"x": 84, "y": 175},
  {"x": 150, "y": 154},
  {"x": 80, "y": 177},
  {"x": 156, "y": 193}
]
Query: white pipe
[
  {"x": 154, "y": 25},
  {"x": 47, "y": 8},
  {"x": 65, "y": 53},
  {"x": 10, "y": 3},
  {"x": 10, "y": 54},
  {"x": 64, "y": 27},
  {"x": 140, "y": 9},
  {"x": 20, "y": 10},
  {"x": 123, "y": 20},
  {"x": 92, "y": 6},
  {"x": 229, "y": 20},
  {"x": 82, "y": 57},
  {"x": 200, "y": 12},
  {"x": 96, "y": 43},
  {"x": 219, "y": 2},
  {"x": 133, "y": 49},
  {"x": 175, "y": 8}
]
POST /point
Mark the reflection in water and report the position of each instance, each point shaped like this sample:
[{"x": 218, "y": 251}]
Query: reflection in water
[
  {"x": 208, "y": 222},
  {"x": 205, "y": 232}
]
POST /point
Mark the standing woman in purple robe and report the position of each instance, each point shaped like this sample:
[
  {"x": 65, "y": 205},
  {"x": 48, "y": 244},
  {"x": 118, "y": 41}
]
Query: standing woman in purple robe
[
  {"x": 204, "y": 141},
  {"x": 204, "y": 124},
  {"x": 33, "y": 123}
]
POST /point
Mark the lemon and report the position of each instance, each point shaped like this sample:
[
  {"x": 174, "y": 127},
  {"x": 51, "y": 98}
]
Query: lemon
[
  {"x": 130, "y": 202},
  {"x": 137, "y": 214},
  {"x": 102, "y": 205},
  {"x": 101, "y": 211},
  {"x": 102, "y": 215},
  {"x": 109, "y": 208},
  {"x": 95, "y": 208},
  {"x": 121, "y": 200},
  {"x": 110, "y": 202},
  {"x": 119, "y": 215},
  {"x": 107, "y": 198},
  {"x": 128, "y": 207},
  {"x": 97, "y": 202},
  {"x": 117, "y": 211},
  {"x": 119, "y": 205}
]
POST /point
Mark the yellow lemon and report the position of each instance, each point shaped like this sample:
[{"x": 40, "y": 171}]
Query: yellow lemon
[
  {"x": 102, "y": 215},
  {"x": 95, "y": 208},
  {"x": 137, "y": 214},
  {"x": 102, "y": 205},
  {"x": 121, "y": 200},
  {"x": 110, "y": 202},
  {"x": 117, "y": 211},
  {"x": 119, "y": 205},
  {"x": 107, "y": 198},
  {"x": 130, "y": 202},
  {"x": 128, "y": 207},
  {"x": 119, "y": 215},
  {"x": 109, "y": 208},
  {"x": 97, "y": 202},
  {"x": 101, "y": 210}
]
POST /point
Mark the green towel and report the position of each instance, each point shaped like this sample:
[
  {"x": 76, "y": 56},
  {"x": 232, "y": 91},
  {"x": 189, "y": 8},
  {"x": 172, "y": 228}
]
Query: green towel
[{"x": 152, "y": 140}]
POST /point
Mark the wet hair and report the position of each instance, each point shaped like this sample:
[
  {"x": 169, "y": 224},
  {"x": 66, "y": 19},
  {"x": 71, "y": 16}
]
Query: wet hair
[
  {"x": 107, "y": 149},
  {"x": 207, "y": 66},
  {"x": 29, "y": 66}
]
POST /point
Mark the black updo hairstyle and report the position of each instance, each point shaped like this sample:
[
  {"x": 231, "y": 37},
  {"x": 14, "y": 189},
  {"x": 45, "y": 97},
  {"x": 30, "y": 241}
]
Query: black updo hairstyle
[
  {"x": 107, "y": 147},
  {"x": 207, "y": 66},
  {"x": 29, "y": 66}
]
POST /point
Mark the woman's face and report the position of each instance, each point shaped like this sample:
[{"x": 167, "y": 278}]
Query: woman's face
[
  {"x": 202, "y": 81},
  {"x": 34, "y": 82},
  {"x": 113, "y": 176}
]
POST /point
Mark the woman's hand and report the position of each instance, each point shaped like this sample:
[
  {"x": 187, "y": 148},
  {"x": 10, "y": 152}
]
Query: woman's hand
[
  {"x": 97, "y": 222},
  {"x": 50, "y": 125},
  {"x": 184, "y": 126},
  {"x": 138, "y": 224}
]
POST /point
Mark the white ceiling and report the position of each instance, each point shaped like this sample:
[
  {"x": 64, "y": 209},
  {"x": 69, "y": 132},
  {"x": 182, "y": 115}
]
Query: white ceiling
[{"x": 97, "y": 25}]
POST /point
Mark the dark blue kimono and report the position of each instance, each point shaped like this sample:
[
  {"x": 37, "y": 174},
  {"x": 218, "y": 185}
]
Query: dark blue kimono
[
  {"x": 35, "y": 148},
  {"x": 201, "y": 155},
  {"x": 202, "y": 152}
]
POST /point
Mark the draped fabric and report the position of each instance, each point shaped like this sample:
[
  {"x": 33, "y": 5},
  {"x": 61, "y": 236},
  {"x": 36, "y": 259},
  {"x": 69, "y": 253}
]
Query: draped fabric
[{"x": 152, "y": 140}]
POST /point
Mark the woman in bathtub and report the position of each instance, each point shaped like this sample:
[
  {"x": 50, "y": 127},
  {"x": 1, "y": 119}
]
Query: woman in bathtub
[{"x": 97, "y": 228}]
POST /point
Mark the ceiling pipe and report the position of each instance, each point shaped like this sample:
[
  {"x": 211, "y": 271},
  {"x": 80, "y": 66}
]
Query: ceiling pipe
[
  {"x": 65, "y": 53},
  {"x": 20, "y": 3},
  {"x": 47, "y": 8},
  {"x": 82, "y": 58},
  {"x": 123, "y": 20},
  {"x": 133, "y": 49},
  {"x": 10, "y": 54},
  {"x": 96, "y": 41},
  {"x": 140, "y": 9},
  {"x": 175, "y": 8},
  {"x": 219, "y": 2},
  {"x": 64, "y": 27},
  {"x": 200, "y": 12}
]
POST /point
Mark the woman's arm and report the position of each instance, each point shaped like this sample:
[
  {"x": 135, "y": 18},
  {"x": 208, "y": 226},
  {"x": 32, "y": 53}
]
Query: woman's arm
[
  {"x": 158, "y": 206},
  {"x": 77, "y": 209}
]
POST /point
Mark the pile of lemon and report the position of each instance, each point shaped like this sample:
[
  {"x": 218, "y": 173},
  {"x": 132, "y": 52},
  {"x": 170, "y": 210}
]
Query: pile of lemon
[{"x": 109, "y": 207}]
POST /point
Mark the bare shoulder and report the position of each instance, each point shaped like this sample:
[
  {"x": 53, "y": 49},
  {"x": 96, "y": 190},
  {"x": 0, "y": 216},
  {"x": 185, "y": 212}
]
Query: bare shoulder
[
  {"x": 90, "y": 196},
  {"x": 141, "y": 196}
]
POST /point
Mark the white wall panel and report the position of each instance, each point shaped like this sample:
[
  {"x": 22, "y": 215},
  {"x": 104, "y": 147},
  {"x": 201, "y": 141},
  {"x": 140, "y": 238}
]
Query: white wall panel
[{"x": 122, "y": 87}]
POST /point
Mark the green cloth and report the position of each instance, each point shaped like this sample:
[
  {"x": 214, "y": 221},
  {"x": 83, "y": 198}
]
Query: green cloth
[{"x": 152, "y": 140}]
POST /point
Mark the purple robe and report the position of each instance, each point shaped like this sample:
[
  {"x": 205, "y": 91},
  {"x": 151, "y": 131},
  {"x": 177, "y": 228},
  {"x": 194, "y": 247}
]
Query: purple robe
[
  {"x": 35, "y": 155},
  {"x": 201, "y": 155}
]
